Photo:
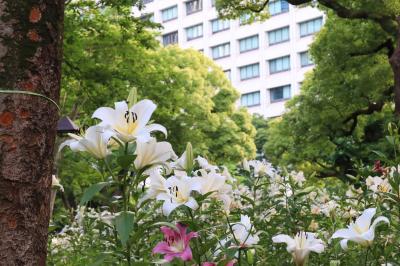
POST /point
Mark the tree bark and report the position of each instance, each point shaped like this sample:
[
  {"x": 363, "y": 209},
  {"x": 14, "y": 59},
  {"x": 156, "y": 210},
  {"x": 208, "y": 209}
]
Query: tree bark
[
  {"x": 395, "y": 64},
  {"x": 30, "y": 60}
]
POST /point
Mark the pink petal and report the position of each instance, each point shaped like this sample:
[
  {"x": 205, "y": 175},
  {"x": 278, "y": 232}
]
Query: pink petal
[
  {"x": 161, "y": 248},
  {"x": 186, "y": 254},
  {"x": 168, "y": 232},
  {"x": 231, "y": 263},
  {"x": 190, "y": 236},
  {"x": 170, "y": 257},
  {"x": 209, "y": 264},
  {"x": 182, "y": 228}
]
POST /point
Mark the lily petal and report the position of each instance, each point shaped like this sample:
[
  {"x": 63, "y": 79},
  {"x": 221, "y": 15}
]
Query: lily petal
[
  {"x": 378, "y": 220},
  {"x": 157, "y": 127},
  {"x": 364, "y": 221},
  {"x": 343, "y": 244},
  {"x": 106, "y": 114},
  {"x": 143, "y": 109}
]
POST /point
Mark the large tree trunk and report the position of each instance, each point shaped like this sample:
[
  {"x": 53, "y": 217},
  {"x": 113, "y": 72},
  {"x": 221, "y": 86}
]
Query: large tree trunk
[
  {"x": 30, "y": 60},
  {"x": 395, "y": 64}
]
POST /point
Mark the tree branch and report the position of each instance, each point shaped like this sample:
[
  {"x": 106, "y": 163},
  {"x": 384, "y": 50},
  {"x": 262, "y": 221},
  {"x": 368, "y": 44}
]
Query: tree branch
[
  {"x": 372, "y": 107},
  {"x": 388, "y": 44},
  {"x": 386, "y": 22}
]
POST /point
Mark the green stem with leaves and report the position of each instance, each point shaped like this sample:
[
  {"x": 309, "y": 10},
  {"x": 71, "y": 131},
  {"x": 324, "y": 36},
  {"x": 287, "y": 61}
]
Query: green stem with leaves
[{"x": 196, "y": 241}]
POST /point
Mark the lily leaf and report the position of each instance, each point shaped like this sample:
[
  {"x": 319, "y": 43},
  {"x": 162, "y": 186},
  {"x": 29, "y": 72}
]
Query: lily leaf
[
  {"x": 166, "y": 224},
  {"x": 91, "y": 191},
  {"x": 126, "y": 160},
  {"x": 124, "y": 226}
]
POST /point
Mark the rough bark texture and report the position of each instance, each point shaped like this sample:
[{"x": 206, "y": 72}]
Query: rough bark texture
[{"x": 30, "y": 60}]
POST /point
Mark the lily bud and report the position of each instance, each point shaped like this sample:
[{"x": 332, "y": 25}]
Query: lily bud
[
  {"x": 132, "y": 97},
  {"x": 246, "y": 165},
  {"x": 189, "y": 157}
]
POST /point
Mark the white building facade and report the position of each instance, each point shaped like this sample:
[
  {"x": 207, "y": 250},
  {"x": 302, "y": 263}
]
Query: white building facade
[{"x": 265, "y": 61}]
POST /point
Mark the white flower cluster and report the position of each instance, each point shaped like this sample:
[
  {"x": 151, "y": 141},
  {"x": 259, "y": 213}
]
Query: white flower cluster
[
  {"x": 178, "y": 189},
  {"x": 124, "y": 124}
]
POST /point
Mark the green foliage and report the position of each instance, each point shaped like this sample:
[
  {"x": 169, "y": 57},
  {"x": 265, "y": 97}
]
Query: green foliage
[
  {"x": 104, "y": 49},
  {"x": 196, "y": 103},
  {"x": 318, "y": 128},
  {"x": 261, "y": 125}
]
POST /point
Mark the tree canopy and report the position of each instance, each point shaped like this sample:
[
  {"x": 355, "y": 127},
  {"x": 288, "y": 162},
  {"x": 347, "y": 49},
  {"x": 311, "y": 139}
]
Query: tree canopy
[
  {"x": 107, "y": 53},
  {"x": 340, "y": 116}
]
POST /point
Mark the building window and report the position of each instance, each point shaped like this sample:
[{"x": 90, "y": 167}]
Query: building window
[
  {"x": 305, "y": 59},
  {"x": 278, "y": 7},
  {"x": 169, "y": 13},
  {"x": 249, "y": 43},
  {"x": 279, "y": 64},
  {"x": 222, "y": 50},
  {"x": 193, "y": 6},
  {"x": 170, "y": 38},
  {"x": 310, "y": 27},
  {"x": 250, "y": 99},
  {"x": 249, "y": 71},
  {"x": 228, "y": 74},
  {"x": 244, "y": 19},
  {"x": 147, "y": 17},
  {"x": 278, "y": 35},
  {"x": 194, "y": 32},
  {"x": 280, "y": 93},
  {"x": 147, "y": 1},
  {"x": 219, "y": 25}
]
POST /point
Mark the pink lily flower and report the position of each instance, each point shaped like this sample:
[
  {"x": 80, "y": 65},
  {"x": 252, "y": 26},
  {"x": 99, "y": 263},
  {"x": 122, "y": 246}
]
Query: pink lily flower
[{"x": 176, "y": 243}]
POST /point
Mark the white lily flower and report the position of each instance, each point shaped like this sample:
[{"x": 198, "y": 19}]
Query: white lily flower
[
  {"x": 95, "y": 142},
  {"x": 181, "y": 163},
  {"x": 153, "y": 153},
  {"x": 377, "y": 184},
  {"x": 214, "y": 182},
  {"x": 361, "y": 231},
  {"x": 130, "y": 123},
  {"x": 262, "y": 168},
  {"x": 329, "y": 208},
  {"x": 301, "y": 245},
  {"x": 178, "y": 192},
  {"x": 157, "y": 185},
  {"x": 228, "y": 176},
  {"x": 203, "y": 163},
  {"x": 298, "y": 177},
  {"x": 242, "y": 232},
  {"x": 246, "y": 165}
]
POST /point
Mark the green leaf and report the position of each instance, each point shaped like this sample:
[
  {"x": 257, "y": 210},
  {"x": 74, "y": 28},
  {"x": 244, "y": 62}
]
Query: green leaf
[
  {"x": 380, "y": 154},
  {"x": 126, "y": 160},
  {"x": 166, "y": 224},
  {"x": 100, "y": 260},
  {"x": 251, "y": 201},
  {"x": 124, "y": 226},
  {"x": 91, "y": 191}
]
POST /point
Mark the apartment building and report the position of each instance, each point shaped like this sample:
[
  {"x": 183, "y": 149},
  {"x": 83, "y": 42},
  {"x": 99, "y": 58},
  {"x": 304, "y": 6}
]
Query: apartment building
[{"x": 265, "y": 61}]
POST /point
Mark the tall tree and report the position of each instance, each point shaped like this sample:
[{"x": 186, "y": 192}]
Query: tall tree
[
  {"x": 384, "y": 13},
  {"x": 344, "y": 105},
  {"x": 30, "y": 60},
  {"x": 196, "y": 102}
]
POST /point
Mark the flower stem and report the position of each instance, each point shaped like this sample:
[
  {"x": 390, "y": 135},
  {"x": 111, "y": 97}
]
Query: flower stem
[
  {"x": 196, "y": 242},
  {"x": 231, "y": 230},
  {"x": 366, "y": 256},
  {"x": 108, "y": 167}
]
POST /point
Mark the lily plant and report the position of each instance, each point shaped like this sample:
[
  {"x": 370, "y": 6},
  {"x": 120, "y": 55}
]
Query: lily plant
[
  {"x": 362, "y": 231},
  {"x": 300, "y": 246}
]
